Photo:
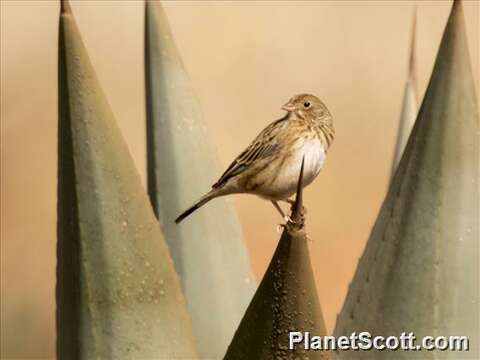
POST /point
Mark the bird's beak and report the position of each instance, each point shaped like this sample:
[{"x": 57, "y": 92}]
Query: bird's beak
[{"x": 288, "y": 107}]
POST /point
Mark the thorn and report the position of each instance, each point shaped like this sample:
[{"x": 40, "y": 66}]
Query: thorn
[
  {"x": 65, "y": 7},
  {"x": 457, "y": 6},
  {"x": 412, "y": 60},
  {"x": 412, "y": 73},
  {"x": 298, "y": 205}
]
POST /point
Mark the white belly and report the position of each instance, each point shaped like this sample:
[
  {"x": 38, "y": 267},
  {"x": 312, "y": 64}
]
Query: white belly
[{"x": 285, "y": 183}]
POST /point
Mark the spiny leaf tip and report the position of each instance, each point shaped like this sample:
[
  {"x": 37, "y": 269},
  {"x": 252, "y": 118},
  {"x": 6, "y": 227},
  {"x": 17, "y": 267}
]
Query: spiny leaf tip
[
  {"x": 297, "y": 206},
  {"x": 65, "y": 7},
  {"x": 411, "y": 65},
  {"x": 457, "y": 8}
]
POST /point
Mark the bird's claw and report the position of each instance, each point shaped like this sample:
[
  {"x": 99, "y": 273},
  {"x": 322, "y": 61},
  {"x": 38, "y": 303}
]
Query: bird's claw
[{"x": 288, "y": 223}]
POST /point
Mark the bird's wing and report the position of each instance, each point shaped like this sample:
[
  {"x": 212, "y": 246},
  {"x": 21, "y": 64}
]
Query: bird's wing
[{"x": 264, "y": 145}]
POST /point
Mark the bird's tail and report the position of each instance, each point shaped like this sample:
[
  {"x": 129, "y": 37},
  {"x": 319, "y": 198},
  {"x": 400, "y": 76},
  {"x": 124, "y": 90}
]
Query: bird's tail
[{"x": 203, "y": 200}]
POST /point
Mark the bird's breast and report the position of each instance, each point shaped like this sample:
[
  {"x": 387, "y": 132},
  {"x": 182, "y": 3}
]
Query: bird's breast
[
  {"x": 314, "y": 154},
  {"x": 281, "y": 177}
]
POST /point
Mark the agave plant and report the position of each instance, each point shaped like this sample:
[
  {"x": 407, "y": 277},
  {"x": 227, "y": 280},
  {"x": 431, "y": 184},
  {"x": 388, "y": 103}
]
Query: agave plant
[
  {"x": 118, "y": 295},
  {"x": 419, "y": 272},
  {"x": 208, "y": 250}
]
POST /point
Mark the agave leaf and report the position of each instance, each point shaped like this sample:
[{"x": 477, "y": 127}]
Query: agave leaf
[
  {"x": 286, "y": 300},
  {"x": 420, "y": 271},
  {"x": 118, "y": 295},
  {"x": 207, "y": 248},
  {"x": 409, "y": 105}
]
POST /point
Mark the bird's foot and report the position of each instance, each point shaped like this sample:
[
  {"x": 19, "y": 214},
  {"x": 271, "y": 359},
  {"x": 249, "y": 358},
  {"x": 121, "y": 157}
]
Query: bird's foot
[
  {"x": 290, "y": 224},
  {"x": 287, "y": 219}
]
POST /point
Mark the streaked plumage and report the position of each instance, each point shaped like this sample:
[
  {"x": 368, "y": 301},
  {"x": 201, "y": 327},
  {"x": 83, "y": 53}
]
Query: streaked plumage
[{"x": 270, "y": 165}]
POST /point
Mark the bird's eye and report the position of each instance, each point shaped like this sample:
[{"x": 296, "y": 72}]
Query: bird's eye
[{"x": 306, "y": 104}]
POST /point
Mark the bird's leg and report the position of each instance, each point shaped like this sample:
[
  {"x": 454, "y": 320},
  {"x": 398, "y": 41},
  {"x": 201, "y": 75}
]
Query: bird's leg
[
  {"x": 279, "y": 209},
  {"x": 289, "y": 201}
]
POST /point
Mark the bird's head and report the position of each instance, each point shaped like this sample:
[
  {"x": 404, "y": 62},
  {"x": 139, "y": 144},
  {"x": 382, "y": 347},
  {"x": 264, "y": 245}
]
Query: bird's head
[{"x": 308, "y": 106}]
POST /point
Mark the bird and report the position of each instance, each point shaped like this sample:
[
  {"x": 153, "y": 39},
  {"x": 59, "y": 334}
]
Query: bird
[{"x": 270, "y": 165}]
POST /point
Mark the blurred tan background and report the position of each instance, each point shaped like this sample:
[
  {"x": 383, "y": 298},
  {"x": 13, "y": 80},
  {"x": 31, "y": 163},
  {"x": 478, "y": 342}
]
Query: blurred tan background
[{"x": 245, "y": 60}]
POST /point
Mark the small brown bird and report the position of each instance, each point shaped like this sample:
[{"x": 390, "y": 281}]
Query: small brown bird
[{"x": 270, "y": 165}]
